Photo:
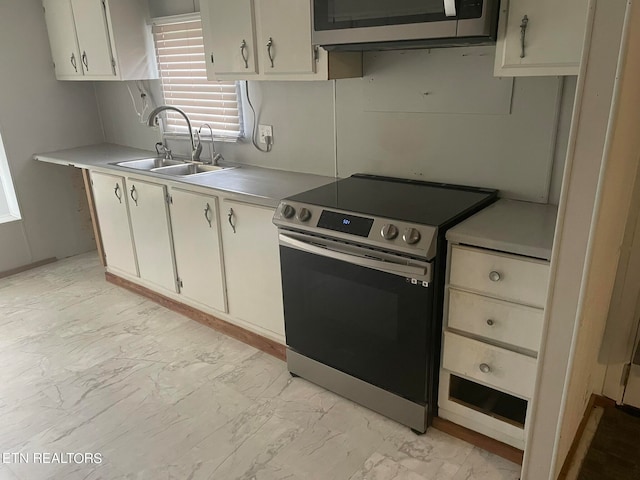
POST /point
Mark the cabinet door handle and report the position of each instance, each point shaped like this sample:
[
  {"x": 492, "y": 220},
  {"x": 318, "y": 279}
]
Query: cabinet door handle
[
  {"x": 85, "y": 60},
  {"x": 243, "y": 52},
  {"x": 134, "y": 194},
  {"x": 207, "y": 211},
  {"x": 74, "y": 62},
  {"x": 523, "y": 33},
  {"x": 117, "y": 192},
  {"x": 269, "y": 50},
  {"x": 494, "y": 276},
  {"x": 230, "y": 217},
  {"x": 485, "y": 368},
  {"x": 212, "y": 58},
  {"x": 490, "y": 322}
]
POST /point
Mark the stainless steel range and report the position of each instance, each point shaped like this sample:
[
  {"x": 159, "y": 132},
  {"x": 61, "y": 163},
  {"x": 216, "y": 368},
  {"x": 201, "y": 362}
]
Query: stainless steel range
[{"x": 363, "y": 262}]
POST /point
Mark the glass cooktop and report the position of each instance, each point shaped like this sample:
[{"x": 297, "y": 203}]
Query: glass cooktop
[{"x": 427, "y": 203}]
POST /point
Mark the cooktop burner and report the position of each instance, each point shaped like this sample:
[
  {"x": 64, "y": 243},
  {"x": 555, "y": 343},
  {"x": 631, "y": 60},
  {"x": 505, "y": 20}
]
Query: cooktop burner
[{"x": 426, "y": 203}]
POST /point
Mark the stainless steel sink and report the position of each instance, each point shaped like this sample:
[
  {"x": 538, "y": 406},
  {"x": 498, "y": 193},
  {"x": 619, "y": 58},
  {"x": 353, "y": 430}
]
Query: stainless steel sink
[
  {"x": 188, "y": 169},
  {"x": 149, "y": 163}
]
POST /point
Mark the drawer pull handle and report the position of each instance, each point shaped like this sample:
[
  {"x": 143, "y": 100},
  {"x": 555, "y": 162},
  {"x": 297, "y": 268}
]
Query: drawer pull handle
[
  {"x": 484, "y": 368},
  {"x": 494, "y": 276},
  {"x": 490, "y": 322}
]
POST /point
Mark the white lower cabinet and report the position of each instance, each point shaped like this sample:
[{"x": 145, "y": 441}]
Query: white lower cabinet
[
  {"x": 151, "y": 232},
  {"x": 110, "y": 197},
  {"x": 196, "y": 239},
  {"x": 492, "y": 330},
  {"x": 252, "y": 265},
  {"x": 194, "y": 247}
]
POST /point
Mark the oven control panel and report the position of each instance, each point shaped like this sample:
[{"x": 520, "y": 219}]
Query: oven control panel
[{"x": 396, "y": 235}]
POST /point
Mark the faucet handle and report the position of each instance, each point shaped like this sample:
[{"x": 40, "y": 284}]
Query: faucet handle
[{"x": 195, "y": 154}]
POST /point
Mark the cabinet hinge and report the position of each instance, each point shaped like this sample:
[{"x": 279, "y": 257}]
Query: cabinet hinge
[
  {"x": 179, "y": 280},
  {"x": 625, "y": 373},
  {"x": 316, "y": 53},
  {"x": 169, "y": 199}
]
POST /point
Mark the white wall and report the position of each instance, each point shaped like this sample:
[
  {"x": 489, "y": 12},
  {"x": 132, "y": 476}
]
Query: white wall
[
  {"x": 39, "y": 114},
  {"x": 568, "y": 294},
  {"x": 512, "y": 150},
  {"x": 617, "y": 181}
]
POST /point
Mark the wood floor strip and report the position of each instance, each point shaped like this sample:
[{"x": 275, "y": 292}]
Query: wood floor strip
[
  {"x": 594, "y": 401},
  {"x": 481, "y": 441},
  {"x": 250, "y": 338}
]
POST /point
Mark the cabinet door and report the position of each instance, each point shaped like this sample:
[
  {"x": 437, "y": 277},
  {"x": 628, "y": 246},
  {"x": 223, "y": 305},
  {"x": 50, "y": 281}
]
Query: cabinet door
[
  {"x": 228, "y": 29},
  {"x": 93, "y": 37},
  {"x": 110, "y": 198},
  {"x": 252, "y": 265},
  {"x": 284, "y": 44},
  {"x": 151, "y": 233},
  {"x": 62, "y": 38},
  {"x": 196, "y": 241},
  {"x": 553, "y": 37}
]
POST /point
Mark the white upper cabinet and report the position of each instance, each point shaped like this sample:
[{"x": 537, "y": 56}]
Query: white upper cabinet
[
  {"x": 64, "y": 50},
  {"x": 93, "y": 36},
  {"x": 100, "y": 39},
  {"x": 230, "y": 36},
  {"x": 540, "y": 37},
  {"x": 285, "y": 39},
  {"x": 268, "y": 40}
]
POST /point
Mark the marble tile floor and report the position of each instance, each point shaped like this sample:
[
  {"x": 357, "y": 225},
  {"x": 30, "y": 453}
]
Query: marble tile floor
[{"x": 87, "y": 367}]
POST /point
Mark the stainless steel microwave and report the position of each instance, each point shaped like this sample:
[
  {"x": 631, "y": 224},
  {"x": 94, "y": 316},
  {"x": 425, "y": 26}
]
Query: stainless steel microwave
[{"x": 385, "y": 24}]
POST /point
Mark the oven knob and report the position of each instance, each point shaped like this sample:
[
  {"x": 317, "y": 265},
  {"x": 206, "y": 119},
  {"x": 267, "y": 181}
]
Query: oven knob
[
  {"x": 287, "y": 211},
  {"x": 411, "y": 236},
  {"x": 389, "y": 231},
  {"x": 304, "y": 215}
]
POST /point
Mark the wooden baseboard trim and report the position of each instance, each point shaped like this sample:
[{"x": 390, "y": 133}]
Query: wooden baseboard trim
[
  {"x": 479, "y": 440},
  {"x": 258, "y": 341},
  {"x": 24, "y": 268},
  {"x": 594, "y": 401}
]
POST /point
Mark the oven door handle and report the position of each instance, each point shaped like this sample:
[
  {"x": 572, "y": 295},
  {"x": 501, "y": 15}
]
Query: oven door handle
[{"x": 422, "y": 273}]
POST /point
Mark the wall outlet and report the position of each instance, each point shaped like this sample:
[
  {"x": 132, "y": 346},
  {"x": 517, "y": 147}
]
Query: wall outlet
[{"x": 265, "y": 131}]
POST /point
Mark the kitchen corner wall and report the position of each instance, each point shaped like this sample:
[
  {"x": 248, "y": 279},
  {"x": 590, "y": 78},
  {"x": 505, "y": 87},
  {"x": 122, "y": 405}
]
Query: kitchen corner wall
[{"x": 38, "y": 114}]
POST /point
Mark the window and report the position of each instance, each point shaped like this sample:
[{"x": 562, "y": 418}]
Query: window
[{"x": 181, "y": 61}]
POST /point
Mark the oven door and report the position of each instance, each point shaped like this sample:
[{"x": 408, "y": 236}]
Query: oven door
[{"x": 366, "y": 314}]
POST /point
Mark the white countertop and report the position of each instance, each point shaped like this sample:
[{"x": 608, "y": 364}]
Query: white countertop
[
  {"x": 261, "y": 186},
  {"x": 510, "y": 226}
]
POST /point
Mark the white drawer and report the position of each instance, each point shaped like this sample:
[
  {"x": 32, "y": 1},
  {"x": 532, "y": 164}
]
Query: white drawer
[
  {"x": 512, "y": 278},
  {"x": 497, "y": 320},
  {"x": 494, "y": 366}
]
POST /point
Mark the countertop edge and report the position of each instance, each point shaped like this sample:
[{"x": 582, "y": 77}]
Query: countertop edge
[
  {"x": 500, "y": 227},
  {"x": 100, "y": 158}
]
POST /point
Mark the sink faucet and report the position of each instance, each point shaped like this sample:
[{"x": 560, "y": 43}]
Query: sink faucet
[
  {"x": 215, "y": 157},
  {"x": 195, "y": 151}
]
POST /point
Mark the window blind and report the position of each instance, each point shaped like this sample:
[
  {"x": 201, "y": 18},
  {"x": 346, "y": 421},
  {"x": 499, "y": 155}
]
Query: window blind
[{"x": 181, "y": 61}]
